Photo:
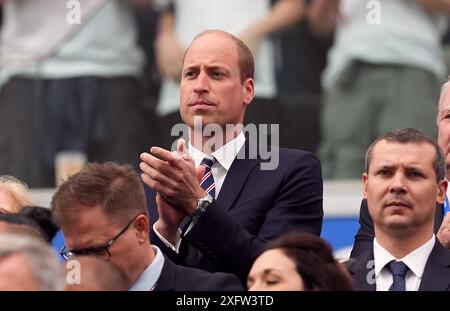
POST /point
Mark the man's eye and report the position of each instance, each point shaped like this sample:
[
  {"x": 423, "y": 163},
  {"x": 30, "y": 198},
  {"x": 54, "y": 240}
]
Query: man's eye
[
  {"x": 383, "y": 173},
  {"x": 217, "y": 73},
  {"x": 97, "y": 250},
  {"x": 90, "y": 251},
  {"x": 415, "y": 174}
]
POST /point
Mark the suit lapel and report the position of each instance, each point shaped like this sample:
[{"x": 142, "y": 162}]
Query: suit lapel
[
  {"x": 237, "y": 175},
  {"x": 436, "y": 276},
  {"x": 362, "y": 270}
]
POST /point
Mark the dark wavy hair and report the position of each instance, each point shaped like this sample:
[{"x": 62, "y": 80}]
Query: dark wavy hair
[{"x": 313, "y": 258}]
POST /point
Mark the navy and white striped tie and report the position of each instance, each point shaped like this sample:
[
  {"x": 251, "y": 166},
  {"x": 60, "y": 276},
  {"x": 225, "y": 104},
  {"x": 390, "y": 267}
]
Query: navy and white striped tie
[{"x": 207, "y": 182}]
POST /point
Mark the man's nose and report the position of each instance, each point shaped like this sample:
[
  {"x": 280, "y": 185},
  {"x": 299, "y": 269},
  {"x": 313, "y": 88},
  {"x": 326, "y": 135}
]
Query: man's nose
[
  {"x": 398, "y": 183},
  {"x": 201, "y": 83}
]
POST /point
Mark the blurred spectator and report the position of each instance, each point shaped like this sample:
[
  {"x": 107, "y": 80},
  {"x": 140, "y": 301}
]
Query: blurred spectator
[
  {"x": 68, "y": 84},
  {"x": 14, "y": 194},
  {"x": 95, "y": 275},
  {"x": 300, "y": 54},
  {"x": 252, "y": 21},
  {"x": 383, "y": 73},
  {"x": 298, "y": 262},
  {"x": 26, "y": 263},
  {"x": 20, "y": 224},
  {"x": 43, "y": 217}
]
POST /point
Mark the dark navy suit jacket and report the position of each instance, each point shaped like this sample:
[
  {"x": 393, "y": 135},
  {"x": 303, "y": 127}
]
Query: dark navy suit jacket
[
  {"x": 178, "y": 278},
  {"x": 253, "y": 207},
  {"x": 436, "y": 276},
  {"x": 364, "y": 236}
]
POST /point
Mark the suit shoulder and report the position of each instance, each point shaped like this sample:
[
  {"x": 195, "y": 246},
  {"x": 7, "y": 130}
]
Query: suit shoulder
[
  {"x": 297, "y": 154},
  {"x": 292, "y": 159},
  {"x": 201, "y": 280}
]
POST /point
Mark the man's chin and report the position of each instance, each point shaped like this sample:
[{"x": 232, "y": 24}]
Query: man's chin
[{"x": 397, "y": 222}]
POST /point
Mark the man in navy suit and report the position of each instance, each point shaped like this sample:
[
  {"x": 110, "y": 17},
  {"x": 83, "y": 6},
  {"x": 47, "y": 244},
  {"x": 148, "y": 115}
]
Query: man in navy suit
[
  {"x": 403, "y": 181},
  {"x": 102, "y": 212},
  {"x": 237, "y": 200},
  {"x": 364, "y": 236}
]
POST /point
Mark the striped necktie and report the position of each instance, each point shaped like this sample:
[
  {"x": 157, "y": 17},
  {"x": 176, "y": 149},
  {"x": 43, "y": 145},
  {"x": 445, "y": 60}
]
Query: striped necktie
[{"x": 207, "y": 182}]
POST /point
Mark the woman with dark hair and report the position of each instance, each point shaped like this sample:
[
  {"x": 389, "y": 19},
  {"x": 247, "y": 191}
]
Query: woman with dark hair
[
  {"x": 298, "y": 261},
  {"x": 36, "y": 220}
]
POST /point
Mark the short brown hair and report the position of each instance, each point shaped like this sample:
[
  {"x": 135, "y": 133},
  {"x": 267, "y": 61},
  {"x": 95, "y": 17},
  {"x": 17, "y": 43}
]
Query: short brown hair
[
  {"x": 410, "y": 135},
  {"x": 245, "y": 57},
  {"x": 116, "y": 188}
]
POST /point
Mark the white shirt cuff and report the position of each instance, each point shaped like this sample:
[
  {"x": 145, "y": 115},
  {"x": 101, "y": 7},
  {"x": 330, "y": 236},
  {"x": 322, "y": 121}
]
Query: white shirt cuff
[{"x": 176, "y": 247}]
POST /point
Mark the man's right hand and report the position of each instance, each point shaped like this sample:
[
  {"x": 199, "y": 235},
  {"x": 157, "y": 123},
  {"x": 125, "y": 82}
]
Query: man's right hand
[{"x": 169, "y": 219}]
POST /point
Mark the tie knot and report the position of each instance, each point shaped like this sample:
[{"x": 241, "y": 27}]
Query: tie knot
[
  {"x": 208, "y": 162},
  {"x": 398, "y": 268}
]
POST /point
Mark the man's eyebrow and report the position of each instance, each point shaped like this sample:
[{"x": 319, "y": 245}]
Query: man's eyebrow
[{"x": 385, "y": 166}]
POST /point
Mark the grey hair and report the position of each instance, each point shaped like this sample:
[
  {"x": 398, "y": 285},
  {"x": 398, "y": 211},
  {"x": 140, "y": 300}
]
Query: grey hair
[
  {"x": 444, "y": 90},
  {"x": 41, "y": 258}
]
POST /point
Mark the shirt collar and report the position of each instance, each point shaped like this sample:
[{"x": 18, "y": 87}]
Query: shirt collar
[
  {"x": 147, "y": 280},
  {"x": 225, "y": 155},
  {"x": 416, "y": 260}
]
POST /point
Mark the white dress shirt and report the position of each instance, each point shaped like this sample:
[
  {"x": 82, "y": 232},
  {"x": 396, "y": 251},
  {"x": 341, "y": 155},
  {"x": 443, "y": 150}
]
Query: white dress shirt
[
  {"x": 225, "y": 157},
  {"x": 416, "y": 261},
  {"x": 147, "y": 280}
]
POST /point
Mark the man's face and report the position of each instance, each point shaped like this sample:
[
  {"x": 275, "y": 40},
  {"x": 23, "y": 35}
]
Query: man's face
[
  {"x": 211, "y": 85},
  {"x": 444, "y": 128},
  {"x": 401, "y": 187},
  {"x": 92, "y": 229}
]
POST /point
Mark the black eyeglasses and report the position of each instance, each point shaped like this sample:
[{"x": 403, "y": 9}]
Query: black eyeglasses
[{"x": 99, "y": 251}]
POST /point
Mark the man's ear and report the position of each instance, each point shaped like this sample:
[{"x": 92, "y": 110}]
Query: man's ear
[
  {"x": 142, "y": 227},
  {"x": 442, "y": 191},
  {"x": 364, "y": 180},
  {"x": 248, "y": 89}
]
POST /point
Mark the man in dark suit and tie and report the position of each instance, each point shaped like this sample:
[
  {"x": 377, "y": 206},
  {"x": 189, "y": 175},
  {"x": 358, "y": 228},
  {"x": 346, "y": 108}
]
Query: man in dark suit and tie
[
  {"x": 403, "y": 181},
  {"x": 364, "y": 236},
  {"x": 102, "y": 212},
  {"x": 234, "y": 199}
]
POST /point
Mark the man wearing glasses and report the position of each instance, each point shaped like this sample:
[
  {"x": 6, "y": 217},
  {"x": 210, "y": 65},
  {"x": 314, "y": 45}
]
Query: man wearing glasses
[{"x": 102, "y": 212}]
